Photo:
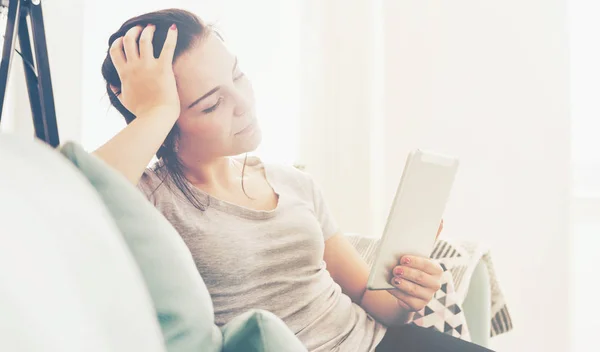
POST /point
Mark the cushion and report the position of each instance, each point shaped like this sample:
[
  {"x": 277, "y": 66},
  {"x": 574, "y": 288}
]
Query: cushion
[
  {"x": 181, "y": 299},
  {"x": 68, "y": 281},
  {"x": 259, "y": 331}
]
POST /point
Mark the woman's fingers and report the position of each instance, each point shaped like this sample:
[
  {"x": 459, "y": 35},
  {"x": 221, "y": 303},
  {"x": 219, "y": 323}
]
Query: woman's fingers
[
  {"x": 423, "y": 264},
  {"x": 130, "y": 43},
  {"x": 168, "y": 50},
  {"x": 146, "y": 48},
  {"x": 416, "y": 280},
  {"x": 412, "y": 289},
  {"x": 146, "y": 83},
  {"x": 117, "y": 55},
  {"x": 126, "y": 49},
  {"x": 418, "y": 277},
  {"x": 409, "y": 302}
]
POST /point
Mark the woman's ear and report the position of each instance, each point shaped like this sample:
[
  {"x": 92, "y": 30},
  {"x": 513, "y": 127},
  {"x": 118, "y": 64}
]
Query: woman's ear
[
  {"x": 117, "y": 93},
  {"x": 115, "y": 90},
  {"x": 118, "y": 96}
]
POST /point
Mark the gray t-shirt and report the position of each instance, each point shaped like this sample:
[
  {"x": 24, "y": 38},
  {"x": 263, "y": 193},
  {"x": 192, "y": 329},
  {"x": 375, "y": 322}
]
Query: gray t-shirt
[{"x": 271, "y": 260}]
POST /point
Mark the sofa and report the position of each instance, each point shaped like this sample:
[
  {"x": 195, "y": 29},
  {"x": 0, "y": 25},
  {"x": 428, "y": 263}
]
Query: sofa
[{"x": 78, "y": 272}]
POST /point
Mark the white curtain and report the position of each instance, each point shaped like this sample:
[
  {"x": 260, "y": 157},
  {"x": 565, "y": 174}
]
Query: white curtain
[
  {"x": 486, "y": 81},
  {"x": 342, "y": 107}
]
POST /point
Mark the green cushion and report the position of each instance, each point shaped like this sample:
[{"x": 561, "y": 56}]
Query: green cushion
[
  {"x": 181, "y": 299},
  {"x": 259, "y": 331}
]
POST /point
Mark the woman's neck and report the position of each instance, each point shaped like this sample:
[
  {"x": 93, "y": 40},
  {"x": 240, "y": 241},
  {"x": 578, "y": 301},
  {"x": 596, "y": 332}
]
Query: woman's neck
[{"x": 218, "y": 173}]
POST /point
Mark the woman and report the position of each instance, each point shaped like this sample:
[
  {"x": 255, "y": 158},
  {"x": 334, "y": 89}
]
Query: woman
[{"x": 261, "y": 235}]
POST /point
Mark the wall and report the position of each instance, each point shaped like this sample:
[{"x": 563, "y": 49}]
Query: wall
[{"x": 487, "y": 81}]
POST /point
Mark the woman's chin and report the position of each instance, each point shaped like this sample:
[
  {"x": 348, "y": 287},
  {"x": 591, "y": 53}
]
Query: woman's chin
[{"x": 248, "y": 143}]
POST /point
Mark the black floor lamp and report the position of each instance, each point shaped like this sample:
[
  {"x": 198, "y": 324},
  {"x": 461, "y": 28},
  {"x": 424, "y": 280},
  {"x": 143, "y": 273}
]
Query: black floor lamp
[{"x": 35, "y": 60}]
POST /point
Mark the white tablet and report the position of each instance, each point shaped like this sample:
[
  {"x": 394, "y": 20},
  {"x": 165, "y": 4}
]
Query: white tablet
[{"x": 415, "y": 214}]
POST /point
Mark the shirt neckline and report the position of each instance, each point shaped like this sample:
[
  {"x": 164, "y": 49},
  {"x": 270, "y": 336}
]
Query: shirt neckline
[{"x": 236, "y": 209}]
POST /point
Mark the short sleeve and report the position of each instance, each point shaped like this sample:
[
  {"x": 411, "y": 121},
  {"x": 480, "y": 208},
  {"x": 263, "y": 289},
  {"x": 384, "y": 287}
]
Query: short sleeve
[
  {"x": 147, "y": 185},
  {"x": 324, "y": 215}
]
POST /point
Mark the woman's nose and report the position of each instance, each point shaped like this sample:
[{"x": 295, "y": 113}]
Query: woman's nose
[{"x": 242, "y": 104}]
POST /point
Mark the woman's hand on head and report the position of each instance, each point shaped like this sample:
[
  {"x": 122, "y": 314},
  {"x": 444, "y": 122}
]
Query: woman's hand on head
[
  {"x": 147, "y": 83},
  {"x": 416, "y": 279}
]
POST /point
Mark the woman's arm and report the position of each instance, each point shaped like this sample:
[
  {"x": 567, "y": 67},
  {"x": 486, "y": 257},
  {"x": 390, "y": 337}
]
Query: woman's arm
[
  {"x": 131, "y": 150},
  {"x": 351, "y": 272},
  {"x": 148, "y": 90},
  {"x": 418, "y": 283}
]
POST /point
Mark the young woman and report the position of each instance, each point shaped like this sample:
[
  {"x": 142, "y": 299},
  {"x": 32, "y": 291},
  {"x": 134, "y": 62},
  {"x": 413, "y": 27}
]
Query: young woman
[{"x": 261, "y": 235}]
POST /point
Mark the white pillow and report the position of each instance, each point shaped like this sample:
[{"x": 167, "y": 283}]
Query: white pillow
[{"x": 67, "y": 280}]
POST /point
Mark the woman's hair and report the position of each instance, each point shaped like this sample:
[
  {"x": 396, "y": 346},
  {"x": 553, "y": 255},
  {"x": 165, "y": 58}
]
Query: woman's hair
[{"x": 190, "y": 30}]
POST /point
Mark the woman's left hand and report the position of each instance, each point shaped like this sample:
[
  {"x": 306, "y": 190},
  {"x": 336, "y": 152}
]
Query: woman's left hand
[{"x": 416, "y": 280}]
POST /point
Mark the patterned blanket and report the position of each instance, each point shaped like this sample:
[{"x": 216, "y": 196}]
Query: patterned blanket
[{"x": 458, "y": 259}]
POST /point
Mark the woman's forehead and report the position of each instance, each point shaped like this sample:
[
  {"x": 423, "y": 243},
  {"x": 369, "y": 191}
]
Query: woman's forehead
[{"x": 208, "y": 63}]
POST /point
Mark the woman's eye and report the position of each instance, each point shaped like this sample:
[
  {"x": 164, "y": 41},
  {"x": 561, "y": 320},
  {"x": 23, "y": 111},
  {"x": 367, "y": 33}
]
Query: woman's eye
[
  {"x": 238, "y": 76},
  {"x": 214, "y": 107}
]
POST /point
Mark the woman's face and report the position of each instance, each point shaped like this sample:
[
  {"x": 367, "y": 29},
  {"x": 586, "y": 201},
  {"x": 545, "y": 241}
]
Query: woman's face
[{"x": 217, "y": 103}]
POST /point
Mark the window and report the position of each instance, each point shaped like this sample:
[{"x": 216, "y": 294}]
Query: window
[
  {"x": 585, "y": 96},
  {"x": 585, "y": 117}
]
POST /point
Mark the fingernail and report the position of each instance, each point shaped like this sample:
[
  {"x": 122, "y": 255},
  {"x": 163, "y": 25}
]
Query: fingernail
[
  {"x": 406, "y": 260},
  {"x": 399, "y": 272},
  {"x": 173, "y": 27},
  {"x": 396, "y": 281}
]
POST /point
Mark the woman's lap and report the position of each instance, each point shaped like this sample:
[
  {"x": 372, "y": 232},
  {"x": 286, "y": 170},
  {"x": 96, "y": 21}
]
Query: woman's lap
[{"x": 412, "y": 338}]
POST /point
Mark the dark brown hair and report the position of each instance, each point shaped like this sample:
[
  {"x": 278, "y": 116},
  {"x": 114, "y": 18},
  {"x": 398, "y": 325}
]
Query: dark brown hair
[{"x": 190, "y": 31}]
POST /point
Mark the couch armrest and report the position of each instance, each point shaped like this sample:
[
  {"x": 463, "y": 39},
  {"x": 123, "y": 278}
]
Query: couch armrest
[{"x": 476, "y": 306}]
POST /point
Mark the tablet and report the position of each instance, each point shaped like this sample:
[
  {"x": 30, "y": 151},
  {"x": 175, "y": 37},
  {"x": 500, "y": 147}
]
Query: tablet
[{"x": 415, "y": 214}]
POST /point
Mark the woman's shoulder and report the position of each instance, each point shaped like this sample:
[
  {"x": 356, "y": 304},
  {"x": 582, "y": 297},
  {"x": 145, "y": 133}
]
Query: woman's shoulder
[
  {"x": 286, "y": 179},
  {"x": 280, "y": 171},
  {"x": 153, "y": 173},
  {"x": 152, "y": 181}
]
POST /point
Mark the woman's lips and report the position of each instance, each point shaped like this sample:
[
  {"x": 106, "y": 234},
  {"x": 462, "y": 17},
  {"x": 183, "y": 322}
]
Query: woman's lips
[{"x": 247, "y": 129}]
